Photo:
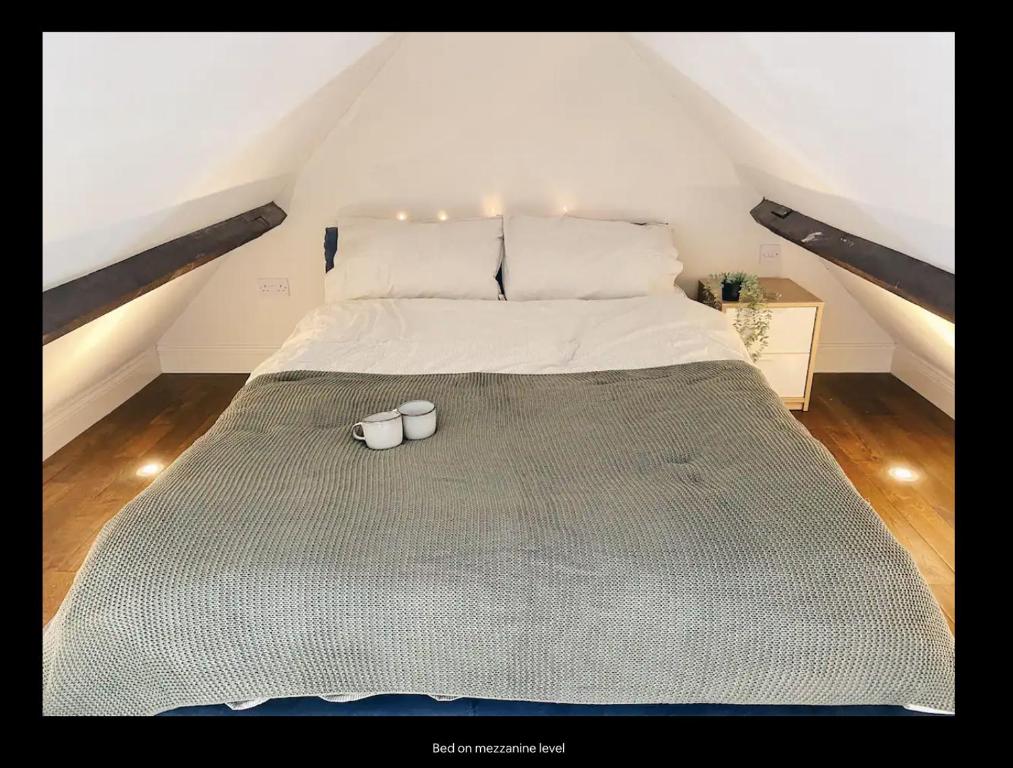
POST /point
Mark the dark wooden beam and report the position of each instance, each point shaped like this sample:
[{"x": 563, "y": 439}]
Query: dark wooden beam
[
  {"x": 80, "y": 301},
  {"x": 923, "y": 284}
]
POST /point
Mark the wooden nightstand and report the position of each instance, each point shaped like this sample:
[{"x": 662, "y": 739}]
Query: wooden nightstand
[{"x": 788, "y": 359}]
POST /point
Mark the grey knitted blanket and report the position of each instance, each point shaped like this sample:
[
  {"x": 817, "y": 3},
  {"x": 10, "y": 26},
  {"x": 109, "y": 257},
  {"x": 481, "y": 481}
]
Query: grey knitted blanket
[{"x": 659, "y": 535}]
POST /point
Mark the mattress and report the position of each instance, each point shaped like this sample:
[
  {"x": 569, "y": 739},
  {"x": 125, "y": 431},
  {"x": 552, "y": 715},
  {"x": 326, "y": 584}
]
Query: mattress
[{"x": 654, "y": 532}]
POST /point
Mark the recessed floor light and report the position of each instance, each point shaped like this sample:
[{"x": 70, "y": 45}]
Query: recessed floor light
[
  {"x": 903, "y": 474},
  {"x": 150, "y": 469}
]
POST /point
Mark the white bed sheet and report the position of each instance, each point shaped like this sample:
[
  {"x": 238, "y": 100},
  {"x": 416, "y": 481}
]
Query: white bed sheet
[{"x": 396, "y": 336}]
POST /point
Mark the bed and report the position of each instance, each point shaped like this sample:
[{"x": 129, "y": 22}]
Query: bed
[{"x": 615, "y": 510}]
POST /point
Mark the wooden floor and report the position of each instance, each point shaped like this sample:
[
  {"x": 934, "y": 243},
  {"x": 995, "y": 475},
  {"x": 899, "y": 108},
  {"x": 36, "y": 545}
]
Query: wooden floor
[
  {"x": 870, "y": 422},
  {"x": 90, "y": 479}
]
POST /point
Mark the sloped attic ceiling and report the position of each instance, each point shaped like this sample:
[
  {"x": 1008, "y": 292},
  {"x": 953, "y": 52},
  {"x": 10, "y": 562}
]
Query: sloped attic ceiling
[
  {"x": 486, "y": 123},
  {"x": 856, "y": 130},
  {"x": 147, "y": 137},
  {"x": 137, "y": 127}
]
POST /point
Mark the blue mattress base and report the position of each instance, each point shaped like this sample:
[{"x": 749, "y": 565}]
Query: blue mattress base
[{"x": 415, "y": 705}]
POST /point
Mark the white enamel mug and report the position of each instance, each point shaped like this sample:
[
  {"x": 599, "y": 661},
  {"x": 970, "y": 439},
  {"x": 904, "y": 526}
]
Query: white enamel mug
[
  {"x": 419, "y": 417},
  {"x": 380, "y": 430}
]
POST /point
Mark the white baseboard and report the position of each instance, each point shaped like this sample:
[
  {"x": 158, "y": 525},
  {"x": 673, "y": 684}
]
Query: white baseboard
[
  {"x": 236, "y": 359},
  {"x": 72, "y": 417},
  {"x": 854, "y": 358},
  {"x": 927, "y": 380}
]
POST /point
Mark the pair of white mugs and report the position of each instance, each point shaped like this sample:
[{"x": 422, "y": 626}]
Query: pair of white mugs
[{"x": 414, "y": 420}]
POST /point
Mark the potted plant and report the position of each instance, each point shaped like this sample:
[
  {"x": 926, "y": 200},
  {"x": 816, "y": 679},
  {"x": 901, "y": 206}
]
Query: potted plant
[{"x": 752, "y": 320}]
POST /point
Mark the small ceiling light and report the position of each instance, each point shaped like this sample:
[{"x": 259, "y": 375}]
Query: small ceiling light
[
  {"x": 150, "y": 469},
  {"x": 903, "y": 474},
  {"x": 442, "y": 215},
  {"x": 402, "y": 216}
]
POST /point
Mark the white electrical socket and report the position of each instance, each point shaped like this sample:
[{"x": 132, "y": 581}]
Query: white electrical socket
[
  {"x": 272, "y": 286},
  {"x": 770, "y": 253}
]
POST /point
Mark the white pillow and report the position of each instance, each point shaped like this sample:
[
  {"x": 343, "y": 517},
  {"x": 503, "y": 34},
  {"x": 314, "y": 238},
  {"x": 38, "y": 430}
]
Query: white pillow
[
  {"x": 384, "y": 258},
  {"x": 572, "y": 258}
]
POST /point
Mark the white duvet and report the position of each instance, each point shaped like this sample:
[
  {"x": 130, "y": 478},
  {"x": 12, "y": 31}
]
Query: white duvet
[{"x": 456, "y": 336}]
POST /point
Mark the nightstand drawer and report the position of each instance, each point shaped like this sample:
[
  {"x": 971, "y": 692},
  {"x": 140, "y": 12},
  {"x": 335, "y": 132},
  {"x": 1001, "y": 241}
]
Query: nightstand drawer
[
  {"x": 786, "y": 374},
  {"x": 791, "y": 329}
]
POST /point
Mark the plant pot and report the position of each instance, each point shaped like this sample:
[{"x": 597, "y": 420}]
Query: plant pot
[{"x": 730, "y": 291}]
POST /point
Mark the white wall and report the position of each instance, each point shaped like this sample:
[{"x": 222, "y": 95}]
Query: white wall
[
  {"x": 94, "y": 368},
  {"x": 926, "y": 342},
  {"x": 147, "y": 137},
  {"x": 505, "y": 123}
]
